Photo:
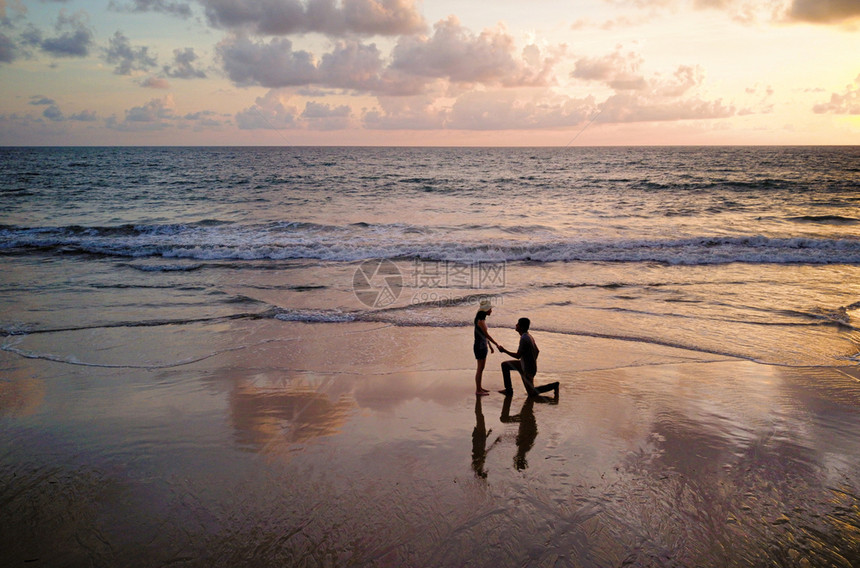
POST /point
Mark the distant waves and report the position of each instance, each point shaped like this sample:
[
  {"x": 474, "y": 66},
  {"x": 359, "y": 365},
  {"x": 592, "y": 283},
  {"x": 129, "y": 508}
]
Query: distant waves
[{"x": 213, "y": 240}]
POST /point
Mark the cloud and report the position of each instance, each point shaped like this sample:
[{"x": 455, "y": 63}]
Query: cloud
[
  {"x": 269, "y": 113},
  {"x": 53, "y": 113},
  {"x": 347, "y": 17},
  {"x": 272, "y": 64},
  {"x": 39, "y": 100},
  {"x": 827, "y": 12},
  {"x": 180, "y": 9},
  {"x": 637, "y": 107},
  {"x": 846, "y": 103},
  {"x": 645, "y": 99},
  {"x": 74, "y": 37},
  {"x": 685, "y": 78},
  {"x": 619, "y": 71},
  {"x": 205, "y": 119},
  {"x": 8, "y": 49},
  {"x": 154, "y": 115},
  {"x": 622, "y": 72},
  {"x": 319, "y": 116},
  {"x": 456, "y": 54},
  {"x": 406, "y": 113},
  {"x": 352, "y": 65},
  {"x": 498, "y": 109},
  {"x": 453, "y": 54},
  {"x": 824, "y": 11},
  {"x": 155, "y": 83},
  {"x": 763, "y": 104},
  {"x": 85, "y": 116},
  {"x": 513, "y": 110},
  {"x": 155, "y": 110},
  {"x": 127, "y": 58},
  {"x": 183, "y": 65}
]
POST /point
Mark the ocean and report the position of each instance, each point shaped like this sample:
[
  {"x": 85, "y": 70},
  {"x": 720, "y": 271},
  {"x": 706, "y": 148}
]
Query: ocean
[
  {"x": 750, "y": 252},
  {"x": 263, "y": 356}
]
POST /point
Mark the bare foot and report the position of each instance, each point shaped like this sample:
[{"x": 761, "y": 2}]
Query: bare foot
[{"x": 482, "y": 392}]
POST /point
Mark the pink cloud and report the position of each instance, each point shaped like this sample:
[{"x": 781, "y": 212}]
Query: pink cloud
[
  {"x": 458, "y": 55},
  {"x": 155, "y": 83},
  {"x": 845, "y": 103}
]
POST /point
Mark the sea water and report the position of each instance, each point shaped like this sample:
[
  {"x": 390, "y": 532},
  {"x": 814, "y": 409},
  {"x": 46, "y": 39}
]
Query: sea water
[
  {"x": 750, "y": 252},
  {"x": 223, "y": 356}
]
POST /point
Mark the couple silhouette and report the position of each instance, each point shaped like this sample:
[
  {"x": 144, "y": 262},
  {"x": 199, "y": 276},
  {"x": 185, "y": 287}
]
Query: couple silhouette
[{"x": 524, "y": 359}]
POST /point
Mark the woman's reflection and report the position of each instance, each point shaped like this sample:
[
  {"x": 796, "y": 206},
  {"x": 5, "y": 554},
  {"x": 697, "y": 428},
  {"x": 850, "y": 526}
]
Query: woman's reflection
[{"x": 479, "y": 441}]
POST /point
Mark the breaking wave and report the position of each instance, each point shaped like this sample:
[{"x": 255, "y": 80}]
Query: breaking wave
[{"x": 356, "y": 242}]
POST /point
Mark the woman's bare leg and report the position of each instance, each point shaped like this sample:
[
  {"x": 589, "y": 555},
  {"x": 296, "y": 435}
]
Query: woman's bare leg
[{"x": 479, "y": 374}]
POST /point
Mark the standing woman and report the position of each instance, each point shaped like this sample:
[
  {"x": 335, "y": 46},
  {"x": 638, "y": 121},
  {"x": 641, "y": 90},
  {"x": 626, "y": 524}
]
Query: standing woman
[{"x": 482, "y": 343}]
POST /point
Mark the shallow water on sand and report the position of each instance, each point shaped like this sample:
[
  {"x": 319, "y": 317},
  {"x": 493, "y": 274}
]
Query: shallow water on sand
[{"x": 353, "y": 443}]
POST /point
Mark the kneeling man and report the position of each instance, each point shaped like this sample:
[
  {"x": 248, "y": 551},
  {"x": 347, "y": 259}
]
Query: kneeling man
[{"x": 525, "y": 363}]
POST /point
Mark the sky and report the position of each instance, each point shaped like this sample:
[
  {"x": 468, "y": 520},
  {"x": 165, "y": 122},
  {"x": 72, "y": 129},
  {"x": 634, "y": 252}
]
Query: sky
[{"x": 431, "y": 73}]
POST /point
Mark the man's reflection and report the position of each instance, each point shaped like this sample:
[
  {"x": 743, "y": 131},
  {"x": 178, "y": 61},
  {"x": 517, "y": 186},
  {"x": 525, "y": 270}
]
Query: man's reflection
[{"x": 528, "y": 431}]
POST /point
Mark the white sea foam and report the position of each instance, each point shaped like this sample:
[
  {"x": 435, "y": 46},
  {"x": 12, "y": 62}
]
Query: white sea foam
[{"x": 354, "y": 243}]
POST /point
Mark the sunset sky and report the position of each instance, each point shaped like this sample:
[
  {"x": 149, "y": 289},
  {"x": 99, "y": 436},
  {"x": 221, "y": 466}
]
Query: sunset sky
[{"x": 438, "y": 72}]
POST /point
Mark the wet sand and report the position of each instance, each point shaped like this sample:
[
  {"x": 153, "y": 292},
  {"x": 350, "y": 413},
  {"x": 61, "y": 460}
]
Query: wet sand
[{"x": 272, "y": 443}]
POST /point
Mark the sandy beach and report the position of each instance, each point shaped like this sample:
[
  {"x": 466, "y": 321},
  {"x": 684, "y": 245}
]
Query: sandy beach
[{"x": 272, "y": 443}]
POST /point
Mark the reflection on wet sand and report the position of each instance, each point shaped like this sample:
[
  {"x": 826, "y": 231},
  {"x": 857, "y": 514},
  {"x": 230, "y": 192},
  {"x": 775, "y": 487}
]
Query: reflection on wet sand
[
  {"x": 528, "y": 431},
  {"x": 707, "y": 465},
  {"x": 525, "y": 438},
  {"x": 479, "y": 441},
  {"x": 271, "y": 419},
  {"x": 21, "y": 397}
]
